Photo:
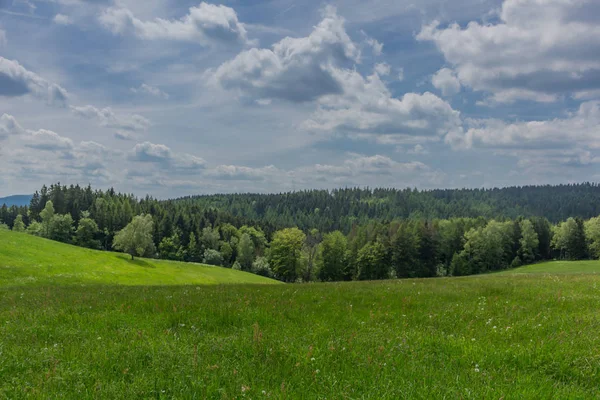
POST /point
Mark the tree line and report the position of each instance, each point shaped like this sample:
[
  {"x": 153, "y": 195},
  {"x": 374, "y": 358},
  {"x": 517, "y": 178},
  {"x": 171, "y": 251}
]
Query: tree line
[{"x": 186, "y": 230}]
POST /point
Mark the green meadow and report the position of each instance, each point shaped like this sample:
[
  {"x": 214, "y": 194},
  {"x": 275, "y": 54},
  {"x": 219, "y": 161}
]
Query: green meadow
[
  {"x": 29, "y": 260},
  {"x": 72, "y": 325}
]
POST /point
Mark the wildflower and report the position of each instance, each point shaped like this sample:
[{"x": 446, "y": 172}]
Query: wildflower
[
  {"x": 312, "y": 359},
  {"x": 472, "y": 339},
  {"x": 264, "y": 392}
]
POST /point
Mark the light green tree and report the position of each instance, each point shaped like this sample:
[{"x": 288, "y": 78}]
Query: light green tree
[
  {"x": 212, "y": 257},
  {"x": 245, "y": 252},
  {"x": 35, "y": 228},
  {"x": 87, "y": 232},
  {"x": 19, "y": 225},
  {"x": 136, "y": 238},
  {"x": 529, "y": 242},
  {"x": 332, "y": 261},
  {"x": 61, "y": 228},
  {"x": 47, "y": 214},
  {"x": 592, "y": 235},
  {"x": 286, "y": 253}
]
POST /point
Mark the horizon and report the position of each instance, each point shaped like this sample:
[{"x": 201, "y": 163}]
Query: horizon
[
  {"x": 314, "y": 189},
  {"x": 169, "y": 98}
]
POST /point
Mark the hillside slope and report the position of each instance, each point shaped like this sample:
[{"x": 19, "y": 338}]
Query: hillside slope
[{"x": 30, "y": 260}]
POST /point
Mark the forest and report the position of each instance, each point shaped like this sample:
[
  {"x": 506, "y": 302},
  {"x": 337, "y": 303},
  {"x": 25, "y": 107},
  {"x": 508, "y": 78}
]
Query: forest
[{"x": 343, "y": 234}]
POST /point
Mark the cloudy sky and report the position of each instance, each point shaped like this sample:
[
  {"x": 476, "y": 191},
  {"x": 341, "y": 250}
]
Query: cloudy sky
[{"x": 177, "y": 97}]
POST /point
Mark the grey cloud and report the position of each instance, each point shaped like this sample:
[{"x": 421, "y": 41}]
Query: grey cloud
[
  {"x": 15, "y": 81},
  {"x": 107, "y": 118},
  {"x": 296, "y": 69},
  {"x": 160, "y": 154},
  {"x": 48, "y": 140},
  {"x": 207, "y": 24},
  {"x": 9, "y": 126}
]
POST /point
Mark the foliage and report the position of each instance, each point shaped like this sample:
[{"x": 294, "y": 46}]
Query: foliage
[
  {"x": 332, "y": 261},
  {"x": 136, "y": 237},
  {"x": 286, "y": 250},
  {"x": 19, "y": 225},
  {"x": 245, "y": 252},
  {"x": 212, "y": 257}
]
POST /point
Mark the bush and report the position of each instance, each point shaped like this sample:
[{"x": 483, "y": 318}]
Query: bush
[
  {"x": 261, "y": 266},
  {"x": 212, "y": 257}
]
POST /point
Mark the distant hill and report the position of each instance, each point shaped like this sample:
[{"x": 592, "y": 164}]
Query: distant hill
[
  {"x": 30, "y": 260},
  {"x": 16, "y": 200}
]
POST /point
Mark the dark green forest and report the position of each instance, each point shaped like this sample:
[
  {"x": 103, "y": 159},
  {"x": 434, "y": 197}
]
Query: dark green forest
[{"x": 342, "y": 234}]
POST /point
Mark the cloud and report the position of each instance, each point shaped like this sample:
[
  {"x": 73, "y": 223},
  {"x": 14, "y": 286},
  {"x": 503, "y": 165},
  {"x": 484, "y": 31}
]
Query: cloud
[
  {"x": 401, "y": 74},
  {"x": 368, "y": 107},
  {"x": 15, "y": 81},
  {"x": 382, "y": 69},
  {"x": 207, "y": 24},
  {"x": 3, "y": 40},
  {"x": 538, "y": 50},
  {"x": 359, "y": 169},
  {"x": 109, "y": 119},
  {"x": 446, "y": 81},
  {"x": 296, "y": 69},
  {"x": 162, "y": 155},
  {"x": 374, "y": 44},
  {"x": 579, "y": 130},
  {"x": 48, "y": 140},
  {"x": 9, "y": 126},
  {"x": 150, "y": 90},
  {"x": 62, "y": 19},
  {"x": 242, "y": 173}
]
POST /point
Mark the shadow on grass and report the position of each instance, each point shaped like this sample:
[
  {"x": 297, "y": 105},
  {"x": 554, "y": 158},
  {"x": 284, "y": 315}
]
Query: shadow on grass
[{"x": 137, "y": 262}]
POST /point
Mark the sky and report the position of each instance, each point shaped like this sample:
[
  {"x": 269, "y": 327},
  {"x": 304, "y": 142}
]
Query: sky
[{"x": 175, "y": 97}]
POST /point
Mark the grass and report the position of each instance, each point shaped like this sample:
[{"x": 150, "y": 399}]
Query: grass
[
  {"x": 511, "y": 336},
  {"x": 30, "y": 260},
  {"x": 559, "y": 267}
]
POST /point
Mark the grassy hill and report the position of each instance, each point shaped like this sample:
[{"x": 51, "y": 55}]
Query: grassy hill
[
  {"x": 30, "y": 260},
  {"x": 558, "y": 267},
  {"x": 531, "y": 333}
]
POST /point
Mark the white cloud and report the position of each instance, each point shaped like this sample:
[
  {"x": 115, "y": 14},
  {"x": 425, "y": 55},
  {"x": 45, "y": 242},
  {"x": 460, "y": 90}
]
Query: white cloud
[
  {"x": 538, "y": 50},
  {"x": 207, "y": 24},
  {"x": 382, "y": 69},
  {"x": 400, "y": 74},
  {"x": 580, "y": 129},
  {"x": 15, "y": 81},
  {"x": 62, "y": 19},
  {"x": 376, "y": 46},
  {"x": 109, "y": 119},
  {"x": 9, "y": 126},
  {"x": 242, "y": 173},
  {"x": 150, "y": 90},
  {"x": 446, "y": 81},
  {"x": 296, "y": 69},
  {"x": 368, "y": 107},
  {"x": 43, "y": 139}
]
